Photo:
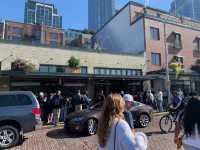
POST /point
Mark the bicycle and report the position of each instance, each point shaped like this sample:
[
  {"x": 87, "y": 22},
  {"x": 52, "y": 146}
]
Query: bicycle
[{"x": 166, "y": 121}]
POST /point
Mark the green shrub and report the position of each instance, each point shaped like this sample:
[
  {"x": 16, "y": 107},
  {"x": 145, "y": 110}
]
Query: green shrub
[{"x": 74, "y": 62}]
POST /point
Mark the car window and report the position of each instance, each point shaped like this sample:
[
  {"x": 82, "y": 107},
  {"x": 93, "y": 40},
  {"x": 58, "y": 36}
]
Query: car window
[
  {"x": 136, "y": 104},
  {"x": 14, "y": 100},
  {"x": 8, "y": 100},
  {"x": 23, "y": 100}
]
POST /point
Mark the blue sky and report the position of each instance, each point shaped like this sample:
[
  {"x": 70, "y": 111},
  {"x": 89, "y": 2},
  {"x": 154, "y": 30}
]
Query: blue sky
[{"x": 74, "y": 12}]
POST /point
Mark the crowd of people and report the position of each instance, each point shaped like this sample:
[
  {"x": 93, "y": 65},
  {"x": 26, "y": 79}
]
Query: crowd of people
[{"x": 55, "y": 107}]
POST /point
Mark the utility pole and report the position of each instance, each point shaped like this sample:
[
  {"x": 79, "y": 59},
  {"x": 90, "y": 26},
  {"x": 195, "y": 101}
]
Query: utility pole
[{"x": 167, "y": 80}]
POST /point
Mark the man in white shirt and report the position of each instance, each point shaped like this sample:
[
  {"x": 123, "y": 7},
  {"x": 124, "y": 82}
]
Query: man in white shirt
[{"x": 160, "y": 100}]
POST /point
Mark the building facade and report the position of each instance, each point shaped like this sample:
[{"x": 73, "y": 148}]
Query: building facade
[
  {"x": 98, "y": 71},
  {"x": 188, "y": 8},
  {"x": 42, "y": 13},
  {"x": 35, "y": 34},
  {"x": 156, "y": 34},
  {"x": 99, "y": 12}
]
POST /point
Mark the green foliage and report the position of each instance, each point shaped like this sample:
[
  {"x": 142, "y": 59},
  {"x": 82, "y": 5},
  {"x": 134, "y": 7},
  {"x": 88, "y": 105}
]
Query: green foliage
[
  {"x": 23, "y": 65},
  {"x": 74, "y": 62}
]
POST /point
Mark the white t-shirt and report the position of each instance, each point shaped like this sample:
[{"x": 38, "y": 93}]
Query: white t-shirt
[{"x": 125, "y": 139}]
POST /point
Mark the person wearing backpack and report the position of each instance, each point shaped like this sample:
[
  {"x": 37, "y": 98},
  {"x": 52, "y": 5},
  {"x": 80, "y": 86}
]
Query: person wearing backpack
[{"x": 56, "y": 104}]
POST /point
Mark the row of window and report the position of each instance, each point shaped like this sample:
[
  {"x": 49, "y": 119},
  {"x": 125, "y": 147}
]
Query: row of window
[
  {"x": 58, "y": 69},
  {"x": 177, "y": 39},
  {"x": 97, "y": 71},
  {"x": 117, "y": 72}
]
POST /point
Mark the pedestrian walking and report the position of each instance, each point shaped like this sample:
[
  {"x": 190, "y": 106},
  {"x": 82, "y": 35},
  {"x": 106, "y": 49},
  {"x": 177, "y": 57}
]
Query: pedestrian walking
[
  {"x": 114, "y": 132},
  {"x": 56, "y": 104},
  {"x": 86, "y": 100}
]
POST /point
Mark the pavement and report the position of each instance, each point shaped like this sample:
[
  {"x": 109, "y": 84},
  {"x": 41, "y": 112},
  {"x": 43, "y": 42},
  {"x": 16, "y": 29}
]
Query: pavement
[{"x": 51, "y": 138}]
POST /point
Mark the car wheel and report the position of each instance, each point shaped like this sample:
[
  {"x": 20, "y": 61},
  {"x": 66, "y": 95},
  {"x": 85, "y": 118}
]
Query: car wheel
[
  {"x": 144, "y": 120},
  {"x": 9, "y": 137},
  {"x": 91, "y": 126}
]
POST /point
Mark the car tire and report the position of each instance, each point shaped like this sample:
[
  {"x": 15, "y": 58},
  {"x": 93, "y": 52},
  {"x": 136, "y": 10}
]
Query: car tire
[
  {"x": 9, "y": 136},
  {"x": 91, "y": 127},
  {"x": 144, "y": 120}
]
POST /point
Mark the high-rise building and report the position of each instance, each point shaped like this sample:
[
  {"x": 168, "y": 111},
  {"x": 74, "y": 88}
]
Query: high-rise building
[
  {"x": 42, "y": 13},
  {"x": 188, "y": 8},
  {"x": 99, "y": 12}
]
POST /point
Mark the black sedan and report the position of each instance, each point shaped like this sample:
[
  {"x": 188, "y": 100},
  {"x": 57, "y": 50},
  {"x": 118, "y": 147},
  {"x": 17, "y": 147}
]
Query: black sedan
[{"x": 87, "y": 120}]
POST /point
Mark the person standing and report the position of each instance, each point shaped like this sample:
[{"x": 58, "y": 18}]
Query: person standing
[
  {"x": 42, "y": 101},
  {"x": 160, "y": 100},
  {"x": 56, "y": 104},
  {"x": 100, "y": 97},
  {"x": 77, "y": 101},
  {"x": 86, "y": 100},
  {"x": 127, "y": 114},
  {"x": 114, "y": 132}
]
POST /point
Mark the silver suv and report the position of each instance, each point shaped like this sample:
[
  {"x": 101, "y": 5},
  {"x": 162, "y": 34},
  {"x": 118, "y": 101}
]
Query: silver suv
[{"x": 19, "y": 114}]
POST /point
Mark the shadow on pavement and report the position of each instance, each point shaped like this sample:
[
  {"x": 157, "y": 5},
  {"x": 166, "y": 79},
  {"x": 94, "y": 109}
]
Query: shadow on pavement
[
  {"x": 62, "y": 133},
  {"x": 157, "y": 133}
]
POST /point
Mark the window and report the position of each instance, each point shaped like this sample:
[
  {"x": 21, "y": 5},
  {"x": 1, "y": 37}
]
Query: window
[
  {"x": 124, "y": 72},
  {"x": 23, "y": 100},
  {"x": 44, "y": 68},
  {"x": 53, "y": 36},
  {"x": 177, "y": 41},
  {"x": 60, "y": 69},
  {"x": 198, "y": 44},
  {"x": 155, "y": 59},
  {"x": 52, "y": 69},
  {"x": 53, "y": 43},
  {"x": 154, "y": 32},
  {"x": 83, "y": 70},
  {"x": 7, "y": 100}
]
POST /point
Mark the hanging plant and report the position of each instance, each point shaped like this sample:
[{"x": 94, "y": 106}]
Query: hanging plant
[
  {"x": 74, "y": 62},
  {"x": 22, "y": 65},
  {"x": 175, "y": 67}
]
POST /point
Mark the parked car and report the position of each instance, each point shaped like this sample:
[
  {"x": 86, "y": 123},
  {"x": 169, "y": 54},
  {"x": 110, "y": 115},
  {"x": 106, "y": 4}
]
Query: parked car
[
  {"x": 19, "y": 114},
  {"x": 87, "y": 120}
]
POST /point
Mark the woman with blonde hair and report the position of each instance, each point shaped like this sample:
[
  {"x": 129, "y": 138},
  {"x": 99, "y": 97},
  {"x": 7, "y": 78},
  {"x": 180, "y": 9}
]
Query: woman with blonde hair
[{"x": 114, "y": 132}]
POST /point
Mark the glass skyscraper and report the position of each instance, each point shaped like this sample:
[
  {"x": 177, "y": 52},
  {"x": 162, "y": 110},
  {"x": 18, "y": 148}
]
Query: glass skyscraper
[
  {"x": 188, "y": 8},
  {"x": 99, "y": 12},
  {"x": 42, "y": 13}
]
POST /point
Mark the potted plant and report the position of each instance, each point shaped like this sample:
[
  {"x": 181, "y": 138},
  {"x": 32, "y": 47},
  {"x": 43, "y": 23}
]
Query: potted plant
[
  {"x": 73, "y": 65},
  {"x": 22, "y": 65}
]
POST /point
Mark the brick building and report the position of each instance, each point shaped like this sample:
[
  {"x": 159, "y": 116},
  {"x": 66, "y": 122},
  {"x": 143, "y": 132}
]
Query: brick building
[
  {"x": 37, "y": 34},
  {"x": 138, "y": 29}
]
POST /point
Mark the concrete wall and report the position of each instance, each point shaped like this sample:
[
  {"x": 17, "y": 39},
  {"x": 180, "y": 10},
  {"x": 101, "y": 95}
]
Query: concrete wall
[
  {"x": 55, "y": 56},
  {"x": 118, "y": 35}
]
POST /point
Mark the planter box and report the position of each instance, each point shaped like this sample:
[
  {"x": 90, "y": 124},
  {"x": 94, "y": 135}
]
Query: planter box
[{"x": 72, "y": 70}]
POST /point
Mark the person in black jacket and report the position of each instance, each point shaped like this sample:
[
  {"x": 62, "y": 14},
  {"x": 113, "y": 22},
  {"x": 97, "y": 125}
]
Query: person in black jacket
[
  {"x": 56, "y": 105},
  {"x": 77, "y": 101}
]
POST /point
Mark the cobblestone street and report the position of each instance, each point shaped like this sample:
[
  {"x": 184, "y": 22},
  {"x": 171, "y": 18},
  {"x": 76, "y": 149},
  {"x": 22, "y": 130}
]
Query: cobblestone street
[{"x": 57, "y": 139}]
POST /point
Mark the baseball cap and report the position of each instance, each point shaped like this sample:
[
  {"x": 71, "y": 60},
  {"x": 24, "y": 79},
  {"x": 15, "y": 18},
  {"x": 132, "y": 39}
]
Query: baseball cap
[{"x": 128, "y": 98}]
